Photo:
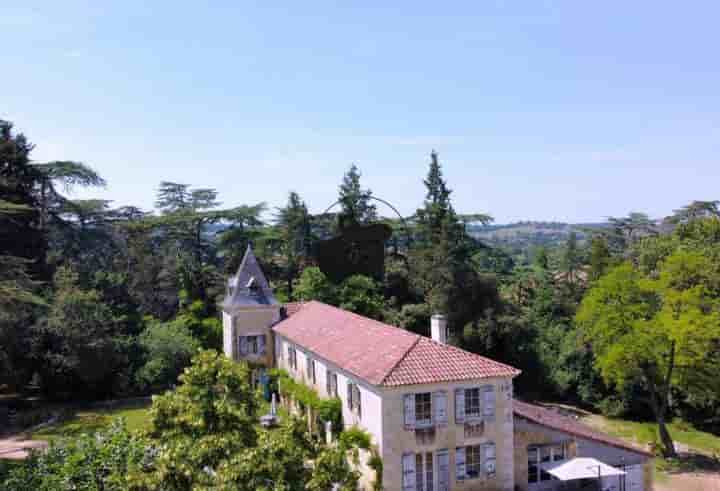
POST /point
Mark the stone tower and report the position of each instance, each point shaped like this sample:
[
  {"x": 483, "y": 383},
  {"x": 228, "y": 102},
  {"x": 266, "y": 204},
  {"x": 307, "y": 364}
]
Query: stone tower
[{"x": 249, "y": 311}]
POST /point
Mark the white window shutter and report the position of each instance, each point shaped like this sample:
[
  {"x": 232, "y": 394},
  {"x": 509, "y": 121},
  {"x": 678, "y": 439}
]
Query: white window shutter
[
  {"x": 489, "y": 403},
  {"x": 243, "y": 345},
  {"x": 261, "y": 344},
  {"x": 409, "y": 411},
  {"x": 459, "y": 406},
  {"x": 440, "y": 407},
  {"x": 460, "y": 464},
  {"x": 408, "y": 467}
]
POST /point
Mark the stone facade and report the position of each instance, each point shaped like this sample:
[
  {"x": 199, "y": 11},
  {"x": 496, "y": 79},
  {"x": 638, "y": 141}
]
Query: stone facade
[{"x": 397, "y": 440}]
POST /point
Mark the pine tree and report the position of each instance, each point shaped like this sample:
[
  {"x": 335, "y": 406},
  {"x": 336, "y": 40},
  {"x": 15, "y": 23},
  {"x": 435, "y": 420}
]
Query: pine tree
[
  {"x": 355, "y": 201},
  {"x": 293, "y": 222}
]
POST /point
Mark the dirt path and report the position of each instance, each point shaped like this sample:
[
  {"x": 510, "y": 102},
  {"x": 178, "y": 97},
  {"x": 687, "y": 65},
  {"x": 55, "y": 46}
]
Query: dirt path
[
  {"x": 17, "y": 447},
  {"x": 690, "y": 482}
]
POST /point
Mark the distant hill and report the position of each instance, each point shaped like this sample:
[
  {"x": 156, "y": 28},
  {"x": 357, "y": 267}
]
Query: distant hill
[{"x": 524, "y": 235}]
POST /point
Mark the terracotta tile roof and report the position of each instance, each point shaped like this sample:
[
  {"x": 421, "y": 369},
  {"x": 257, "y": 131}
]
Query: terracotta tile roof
[
  {"x": 552, "y": 419},
  {"x": 379, "y": 353},
  {"x": 429, "y": 362}
]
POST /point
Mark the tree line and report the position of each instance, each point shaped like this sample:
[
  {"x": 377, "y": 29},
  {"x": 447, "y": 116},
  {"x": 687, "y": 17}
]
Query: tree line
[{"x": 100, "y": 301}]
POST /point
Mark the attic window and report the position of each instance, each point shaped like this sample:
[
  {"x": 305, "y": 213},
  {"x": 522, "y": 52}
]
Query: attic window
[{"x": 251, "y": 283}]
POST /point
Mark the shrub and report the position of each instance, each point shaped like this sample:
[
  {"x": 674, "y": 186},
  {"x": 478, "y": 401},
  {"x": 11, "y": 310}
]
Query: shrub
[{"x": 168, "y": 348}]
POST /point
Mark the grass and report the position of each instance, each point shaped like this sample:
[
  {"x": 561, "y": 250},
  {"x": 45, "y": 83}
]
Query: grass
[
  {"x": 703, "y": 448},
  {"x": 90, "y": 421},
  {"x": 643, "y": 433}
]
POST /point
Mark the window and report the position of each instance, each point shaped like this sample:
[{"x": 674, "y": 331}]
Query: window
[
  {"x": 292, "y": 357},
  {"x": 252, "y": 345},
  {"x": 331, "y": 384},
  {"x": 472, "y": 461},
  {"x": 423, "y": 409},
  {"x": 538, "y": 454},
  {"x": 354, "y": 398},
  {"x": 311, "y": 371},
  {"x": 418, "y": 471},
  {"x": 475, "y": 460},
  {"x": 472, "y": 402},
  {"x": 424, "y": 471}
]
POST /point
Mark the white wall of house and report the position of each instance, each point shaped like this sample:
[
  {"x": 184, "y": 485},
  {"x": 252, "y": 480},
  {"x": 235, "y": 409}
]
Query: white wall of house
[{"x": 370, "y": 417}]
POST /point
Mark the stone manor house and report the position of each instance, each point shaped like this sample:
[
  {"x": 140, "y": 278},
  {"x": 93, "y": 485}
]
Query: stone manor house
[{"x": 441, "y": 418}]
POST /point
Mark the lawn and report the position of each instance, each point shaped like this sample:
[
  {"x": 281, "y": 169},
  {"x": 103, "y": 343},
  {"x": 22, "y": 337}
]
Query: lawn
[
  {"x": 644, "y": 433},
  {"x": 699, "y": 463},
  {"x": 90, "y": 421}
]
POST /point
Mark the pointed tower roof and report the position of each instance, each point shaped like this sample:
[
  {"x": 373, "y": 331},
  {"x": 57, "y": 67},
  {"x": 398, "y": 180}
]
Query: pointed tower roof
[{"x": 248, "y": 287}]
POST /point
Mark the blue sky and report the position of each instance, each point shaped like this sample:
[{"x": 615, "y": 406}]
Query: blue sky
[{"x": 539, "y": 110}]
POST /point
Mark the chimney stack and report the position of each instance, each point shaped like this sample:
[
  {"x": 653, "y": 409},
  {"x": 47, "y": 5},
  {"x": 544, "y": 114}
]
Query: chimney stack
[{"x": 438, "y": 328}]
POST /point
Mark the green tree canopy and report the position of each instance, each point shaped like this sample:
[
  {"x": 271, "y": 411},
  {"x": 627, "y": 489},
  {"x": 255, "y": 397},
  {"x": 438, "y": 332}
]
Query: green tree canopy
[{"x": 662, "y": 329}]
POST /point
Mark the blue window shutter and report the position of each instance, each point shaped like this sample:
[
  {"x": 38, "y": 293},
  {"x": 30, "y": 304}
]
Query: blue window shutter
[
  {"x": 460, "y": 464},
  {"x": 440, "y": 408},
  {"x": 408, "y": 469},
  {"x": 409, "y": 400},
  {"x": 489, "y": 460},
  {"x": 459, "y": 405},
  {"x": 489, "y": 403},
  {"x": 243, "y": 345},
  {"x": 261, "y": 344},
  {"x": 443, "y": 470}
]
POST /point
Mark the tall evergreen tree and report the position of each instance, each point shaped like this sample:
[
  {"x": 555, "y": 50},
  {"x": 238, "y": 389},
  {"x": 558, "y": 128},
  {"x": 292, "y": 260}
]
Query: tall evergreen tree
[
  {"x": 355, "y": 201},
  {"x": 293, "y": 222}
]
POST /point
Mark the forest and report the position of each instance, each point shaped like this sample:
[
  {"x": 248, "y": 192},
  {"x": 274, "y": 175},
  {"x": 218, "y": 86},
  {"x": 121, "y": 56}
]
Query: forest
[{"x": 99, "y": 302}]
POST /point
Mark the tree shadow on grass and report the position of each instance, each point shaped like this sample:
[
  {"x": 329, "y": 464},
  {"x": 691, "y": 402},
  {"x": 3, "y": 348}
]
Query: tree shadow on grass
[{"x": 691, "y": 462}]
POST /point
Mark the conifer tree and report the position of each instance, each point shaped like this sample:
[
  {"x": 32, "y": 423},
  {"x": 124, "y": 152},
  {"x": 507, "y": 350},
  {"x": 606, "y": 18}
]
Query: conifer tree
[
  {"x": 355, "y": 201},
  {"x": 293, "y": 222}
]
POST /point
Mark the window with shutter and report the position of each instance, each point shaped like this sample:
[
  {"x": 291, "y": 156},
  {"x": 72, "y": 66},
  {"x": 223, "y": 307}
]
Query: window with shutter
[
  {"x": 460, "y": 464},
  {"x": 440, "y": 407},
  {"x": 472, "y": 404},
  {"x": 408, "y": 467},
  {"x": 357, "y": 399},
  {"x": 409, "y": 400},
  {"x": 311, "y": 370},
  {"x": 459, "y": 406},
  {"x": 473, "y": 462},
  {"x": 489, "y": 403},
  {"x": 350, "y": 396},
  {"x": 423, "y": 410},
  {"x": 333, "y": 384}
]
